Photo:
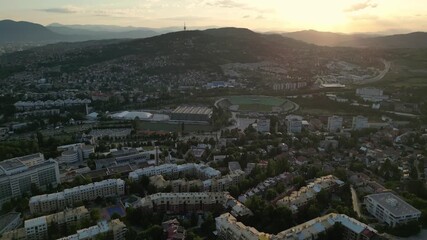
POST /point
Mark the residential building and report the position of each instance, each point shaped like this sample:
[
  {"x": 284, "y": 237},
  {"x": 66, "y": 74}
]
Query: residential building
[
  {"x": 263, "y": 125},
  {"x": 228, "y": 228},
  {"x": 304, "y": 195},
  {"x": 200, "y": 170},
  {"x": 334, "y": 123},
  {"x": 293, "y": 123},
  {"x": 70, "y": 197},
  {"x": 192, "y": 202},
  {"x": 18, "y": 174},
  {"x": 115, "y": 229},
  {"x": 360, "y": 122},
  {"x": 391, "y": 209}
]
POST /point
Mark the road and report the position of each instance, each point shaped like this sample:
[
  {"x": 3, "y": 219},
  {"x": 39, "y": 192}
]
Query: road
[
  {"x": 381, "y": 75},
  {"x": 356, "y": 203}
]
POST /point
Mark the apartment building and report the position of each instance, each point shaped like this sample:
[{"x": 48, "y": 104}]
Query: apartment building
[
  {"x": 228, "y": 228},
  {"x": 18, "y": 174},
  {"x": 360, "y": 122},
  {"x": 115, "y": 230},
  {"x": 308, "y": 193},
  {"x": 390, "y": 209},
  {"x": 192, "y": 202},
  {"x": 200, "y": 170},
  {"x": 334, "y": 123},
  {"x": 69, "y": 197},
  {"x": 293, "y": 123}
]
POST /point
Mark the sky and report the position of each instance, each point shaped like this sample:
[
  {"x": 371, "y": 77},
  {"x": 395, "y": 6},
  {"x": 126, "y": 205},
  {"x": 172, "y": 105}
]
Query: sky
[{"x": 348, "y": 16}]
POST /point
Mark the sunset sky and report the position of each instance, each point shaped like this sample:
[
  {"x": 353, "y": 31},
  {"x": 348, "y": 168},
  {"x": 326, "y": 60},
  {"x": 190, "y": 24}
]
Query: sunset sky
[{"x": 282, "y": 15}]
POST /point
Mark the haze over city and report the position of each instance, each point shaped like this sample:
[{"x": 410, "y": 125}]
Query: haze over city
[
  {"x": 213, "y": 119},
  {"x": 349, "y": 16}
]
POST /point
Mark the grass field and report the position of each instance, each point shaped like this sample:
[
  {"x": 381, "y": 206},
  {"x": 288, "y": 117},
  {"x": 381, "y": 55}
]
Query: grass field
[
  {"x": 170, "y": 127},
  {"x": 256, "y": 103}
]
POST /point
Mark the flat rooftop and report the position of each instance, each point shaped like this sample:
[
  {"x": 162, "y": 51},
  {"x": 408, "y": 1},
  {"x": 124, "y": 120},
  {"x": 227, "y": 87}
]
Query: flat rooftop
[
  {"x": 11, "y": 164},
  {"x": 394, "y": 204},
  {"x": 192, "y": 110}
]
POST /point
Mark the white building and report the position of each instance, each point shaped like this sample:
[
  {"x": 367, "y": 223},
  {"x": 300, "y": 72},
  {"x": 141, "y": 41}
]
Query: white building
[
  {"x": 360, "y": 122},
  {"x": 263, "y": 125},
  {"x": 115, "y": 230},
  {"x": 71, "y": 196},
  {"x": 335, "y": 123},
  {"x": 293, "y": 123},
  {"x": 18, "y": 174},
  {"x": 390, "y": 209},
  {"x": 200, "y": 170},
  {"x": 75, "y": 152},
  {"x": 371, "y": 94}
]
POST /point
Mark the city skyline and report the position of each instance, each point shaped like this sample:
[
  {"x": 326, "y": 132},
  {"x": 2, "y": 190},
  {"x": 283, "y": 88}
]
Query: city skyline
[{"x": 270, "y": 15}]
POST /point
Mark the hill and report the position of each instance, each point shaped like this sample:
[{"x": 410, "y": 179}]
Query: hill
[
  {"x": 410, "y": 40},
  {"x": 323, "y": 38},
  {"x": 17, "y": 32},
  {"x": 83, "y": 33}
]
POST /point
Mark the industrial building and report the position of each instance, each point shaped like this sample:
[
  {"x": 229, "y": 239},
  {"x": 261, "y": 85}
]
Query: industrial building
[
  {"x": 360, "y": 122},
  {"x": 191, "y": 114}
]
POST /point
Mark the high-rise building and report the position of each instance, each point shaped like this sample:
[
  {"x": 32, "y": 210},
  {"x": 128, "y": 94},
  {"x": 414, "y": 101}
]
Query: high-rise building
[
  {"x": 18, "y": 174},
  {"x": 360, "y": 122},
  {"x": 71, "y": 196},
  {"x": 335, "y": 123},
  {"x": 294, "y": 124}
]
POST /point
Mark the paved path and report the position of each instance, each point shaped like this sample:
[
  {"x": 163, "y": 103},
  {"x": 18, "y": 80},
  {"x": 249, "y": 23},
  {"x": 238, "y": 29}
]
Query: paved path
[{"x": 356, "y": 203}]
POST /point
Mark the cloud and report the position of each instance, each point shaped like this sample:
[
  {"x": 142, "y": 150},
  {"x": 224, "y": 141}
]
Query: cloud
[
  {"x": 360, "y": 6},
  {"x": 60, "y": 10},
  {"x": 227, "y": 4}
]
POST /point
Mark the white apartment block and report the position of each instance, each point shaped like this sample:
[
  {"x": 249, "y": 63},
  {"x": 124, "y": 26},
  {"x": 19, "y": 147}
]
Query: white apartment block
[
  {"x": 390, "y": 209},
  {"x": 193, "y": 201},
  {"x": 308, "y": 193},
  {"x": 360, "y": 122},
  {"x": 18, "y": 174},
  {"x": 228, "y": 228},
  {"x": 69, "y": 197},
  {"x": 293, "y": 123},
  {"x": 201, "y": 170},
  {"x": 115, "y": 230},
  {"x": 263, "y": 125},
  {"x": 334, "y": 123}
]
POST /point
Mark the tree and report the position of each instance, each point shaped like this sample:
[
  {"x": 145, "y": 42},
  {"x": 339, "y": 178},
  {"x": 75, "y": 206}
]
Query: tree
[{"x": 270, "y": 194}]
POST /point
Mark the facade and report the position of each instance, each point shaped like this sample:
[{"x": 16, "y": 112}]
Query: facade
[
  {"x": 360, "y": 122},
  {"x": 308, "y": 193},
  {"x": 192, "y": 202},
  {"x": 334, "y": 123},
  {"x": 228, "y": 228},
  {"x": 289, "y": 86},
  {"x": 70, "y": 197},
  {"x": 263, "y": 125},
  {"x": 371, "y": 94},
  {"x": 294, "y": 124},
  {"x": 18, "y": 174},
  {"x": 191, "y": 113},
  {"x": 200, "y": 170},
  {"x": 115, "y": 230},
  {"x": 390, "y": 209}
]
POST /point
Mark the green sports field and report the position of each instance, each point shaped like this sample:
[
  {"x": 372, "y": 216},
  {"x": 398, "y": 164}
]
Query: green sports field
[{"x": 259, "y": 103}]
